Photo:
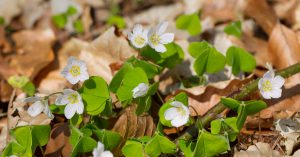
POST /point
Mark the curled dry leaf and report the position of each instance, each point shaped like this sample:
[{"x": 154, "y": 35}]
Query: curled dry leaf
[
  {"x": 59, "y": 144},
  {"x": 258, "y": 150},
  {"x": 284, "y": 50},
  {"x": 98, "y": 55},
  {"x": 263, "y": 14},
  {"x": 9, "y": 9},
  {"x": 35, "y": 47},
  {"x": 130, "y": 125},
  {"x": 204, "y": 98}
]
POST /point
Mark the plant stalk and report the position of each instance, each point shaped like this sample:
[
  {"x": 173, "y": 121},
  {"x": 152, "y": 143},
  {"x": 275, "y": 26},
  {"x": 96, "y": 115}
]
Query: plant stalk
[{"x": 192, "y": 131}]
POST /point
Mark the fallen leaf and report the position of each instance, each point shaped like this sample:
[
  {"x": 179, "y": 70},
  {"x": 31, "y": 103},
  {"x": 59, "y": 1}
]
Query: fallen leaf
[
  {"x": 59, "y": 144},
  {"x": 284, "y": 50},
  {"x": 258, "y": 150},
  {"x": 36, "y": 48},
  {"x": 204, "y": 98},
  {"x": 262, "y": 13},
  {"x": 9, "y": 9}
]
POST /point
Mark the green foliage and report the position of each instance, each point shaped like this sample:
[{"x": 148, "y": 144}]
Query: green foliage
[
  {"x": 209, "y": 145},
  {"x": 81, "y": 141},
  {"x": 95, "y": 95},
  {"x": 243, "y": 108},
  {"x": 182, "y": 97},
  {"x": 71, "y": 11},
  {"x": 23, "y": 83},
  {"x": 133, "y": 148},
  {"x": 208, "y": 59},
  {"x": 57, "y": 109},
  {"x": 240, "y": 60},
  {"x": 158, "y": 145},
  {"x": 59, "y": 20},
  {"x": 145, "y": 102},
  {"x": 131, "y": 79},
  {"x": 226, "y": 127},
  {"x": 119, "y": 21},
  {"x": 186, "y": 147},
  {"x": 78, "y": 26},
  {"x": 173, "y": 56},
  {"x": 234, "y": 28},
  {"x": 18, "y": 81},
  {"x": 2, "y": 21},
  {"x": 191, "y": 23},
  {"x": 26, "y": 139},
  {"x": 110, "y": 139}
]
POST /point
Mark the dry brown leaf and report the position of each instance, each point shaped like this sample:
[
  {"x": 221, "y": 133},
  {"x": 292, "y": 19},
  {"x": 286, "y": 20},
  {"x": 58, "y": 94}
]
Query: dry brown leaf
[
  {"x": 204, "y": 98},
  {"x": 285, "y": 10},
  {"x": 5, "y": 46},
  {"x": 98, "y": 55},
  {"x": 284, "y": 50},
  {"x": 59, "y": 144},
  {"x": 263, "y": 14},
  {"x": 35, "y": 47},
  {"x": 9, "y": 9},
  {"x": 258, "y": 150}
]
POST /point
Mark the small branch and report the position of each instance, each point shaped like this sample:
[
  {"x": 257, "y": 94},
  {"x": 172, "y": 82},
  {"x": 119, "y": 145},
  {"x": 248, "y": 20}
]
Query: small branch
[{"x": 245, "y": 91}]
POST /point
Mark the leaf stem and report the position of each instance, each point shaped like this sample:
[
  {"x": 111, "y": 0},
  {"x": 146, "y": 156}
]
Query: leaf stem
[{"x": 192, "y": 131}]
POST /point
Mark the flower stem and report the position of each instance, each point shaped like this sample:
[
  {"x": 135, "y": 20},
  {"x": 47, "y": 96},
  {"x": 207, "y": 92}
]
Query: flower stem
[{"x": 192, "y": 131}]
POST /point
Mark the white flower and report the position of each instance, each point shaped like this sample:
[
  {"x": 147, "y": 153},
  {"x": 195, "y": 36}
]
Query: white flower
[
  {"x": 75, "y": 71},
  {"x": 138, "y": 37},
  {"x": 40, "y": 105},
  {"x": 156, "y": 38},
  {"x": 270, "y": 85},
  {"x": 178, "y": 114},
  {"x": 140, "y": 90},
  {"x": 99, "y": 151},
  {"x": 73, "y": 101}
]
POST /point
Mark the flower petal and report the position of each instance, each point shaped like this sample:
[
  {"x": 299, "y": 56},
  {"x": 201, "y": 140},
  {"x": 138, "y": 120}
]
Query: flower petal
[
  {"x": 179, "y": 121},
  {"x": 98, "y": 150},
  {"x": 269, "y": 74},
  {"x": 79, "y": 107},
  {"x": 167, "y": 38},
  {"x": 35, "y": 109},
  {"x": 137, "y": 29},
  {"x": 73, "y": 80},
  {"x": 276, "y": 93},
  {"x": 171, "y": 113},
  {"x": 84, "y": 75},
  {"x": 278, "y": 81},
  {"x": 176, "y": 104},
  {"x": 265, "y": 95},
  {"x": 161, "y": 28},
  {"x": 107, "y": 154},
  {"x": 47, "y": 111},
  {"x": 61, "y": 100},
  {"x": 69, "y": 111},
  {"x": 160, "y": 48}
]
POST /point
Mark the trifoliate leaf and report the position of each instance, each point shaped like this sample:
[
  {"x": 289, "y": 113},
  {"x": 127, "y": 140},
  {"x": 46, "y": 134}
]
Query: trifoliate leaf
[
  {"x": 133, "y": 148},
  {"x": 234, "y": 28},
  {"x": 208, "y": 59},
  {"x": 222, "y": 126},
  {"x": 78, "y": 26},
  {"x": 173, "y": 56},
  {"x": 18, "y": 81},
  {"x": 209, "y": 145},
  {"x": 59, "y": 20},
  {"x": 191, "y": 23},
  {"x": 71, "y": 11},
  {"x": 159, "y": 145},
  {"x": 240, "y": 60},
  {"x": 95, "y": 95},
  {"x": 116, "y": 20}
]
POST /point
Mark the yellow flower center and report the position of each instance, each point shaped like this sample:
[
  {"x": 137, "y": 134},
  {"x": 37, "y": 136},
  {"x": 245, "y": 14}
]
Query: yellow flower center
[
  {"x": 155, "y": 39},
  {"x": 181, "y": 111},
  {"x": 73, "y": 98},
  {"x": 267, "y": 86},
  {"x": 75, "y": 70},
  {"x": 139, "y": 40}
]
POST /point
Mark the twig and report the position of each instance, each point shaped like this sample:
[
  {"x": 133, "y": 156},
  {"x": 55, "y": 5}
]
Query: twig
[
  {"x": 245, "y": 91},
  {"x": 9, "y": 110}
]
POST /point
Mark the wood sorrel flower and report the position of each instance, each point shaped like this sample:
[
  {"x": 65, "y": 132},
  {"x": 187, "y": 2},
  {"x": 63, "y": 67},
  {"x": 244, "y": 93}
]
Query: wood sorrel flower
[
  {"x": 75, "y": 71},
  {"x": 39, "y": 105},
  {"x": 178, "y": 114},
  {"x": 157, "y": 38},
  {"x": 100, "y": 152},
  {"x": 140, "y": 90},
  {"x": 270, "y": 85},
  {"x": 73, "y": 101},
  {"x": 138, "y": 37}
]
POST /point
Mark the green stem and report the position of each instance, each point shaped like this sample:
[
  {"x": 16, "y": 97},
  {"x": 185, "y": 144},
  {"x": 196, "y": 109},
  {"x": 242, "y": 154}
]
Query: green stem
[{"x": 245, "y": 91}]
